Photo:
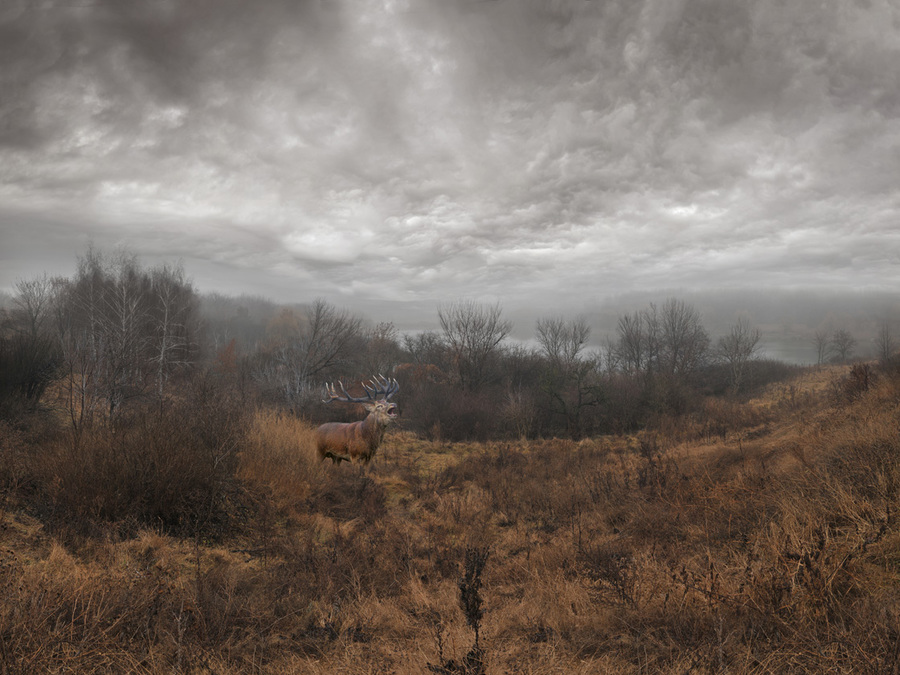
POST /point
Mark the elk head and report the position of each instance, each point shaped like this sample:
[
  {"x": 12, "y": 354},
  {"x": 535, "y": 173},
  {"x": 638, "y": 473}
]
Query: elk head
[{"x": 358, "y": 440}]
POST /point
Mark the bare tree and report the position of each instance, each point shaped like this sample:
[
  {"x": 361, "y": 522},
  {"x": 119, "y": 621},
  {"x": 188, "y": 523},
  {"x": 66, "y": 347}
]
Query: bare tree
[
  {"x": 80, "y": 358},
  {"x": 121, "y": 329},
  {"x": 843, "y": 343},
  {"x": 654, "y": 338},
  {"x": 822, "y": 341},
  {"x": 638, "y": 347},
  {"x": 105, "y": 323},
  {"x": 631, "y": 349},
  {"x": 29, "y": 354},
  {"x": 308, "y": 349},
  {"x": 562, "y": 342},
  {"x": 571, "y": 382},
  {"x": 382, "y": 348},
  {"x": 670, "y": 340},
  {"x": 885, "y": 343},
  {"x": 664, "y": 346},
  {"x": 329, "y": 336},
  {"x": 684, "y": 342},
  {"x": 33, "y": 303},
  {"x": 737, "y": 350},
  {"x": 473, "y": 332},
  {"x": 125, "y": 318},
  {"x": 173, "y": 320}
]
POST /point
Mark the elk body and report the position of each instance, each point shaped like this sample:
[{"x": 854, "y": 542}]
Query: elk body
[{"x": 358, "y": 440}]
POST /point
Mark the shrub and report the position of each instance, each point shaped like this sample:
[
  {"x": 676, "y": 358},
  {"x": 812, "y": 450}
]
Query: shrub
[
  {"x": 169, "y": 466},
  {"x": 27, "y": 366},
  {"x": 449, "y": 413},
  {"x": 856, "y": 383}
]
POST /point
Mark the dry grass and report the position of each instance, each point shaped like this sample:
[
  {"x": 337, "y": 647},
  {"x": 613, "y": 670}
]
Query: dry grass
[
  {"x": 772, "y": 547},
  {"x": 278, "y": 455}
]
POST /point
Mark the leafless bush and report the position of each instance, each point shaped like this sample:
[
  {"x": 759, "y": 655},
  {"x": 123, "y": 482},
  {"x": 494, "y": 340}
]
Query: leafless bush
[
  {"x": 470, "y": 602},
  {"x": 170, "y": 467},
  {"x": 856, "y": 383},
  {"x": 614, "y": 572},
  {"x": 28, "y": 365},
  {"x": 446, "y": 412}
]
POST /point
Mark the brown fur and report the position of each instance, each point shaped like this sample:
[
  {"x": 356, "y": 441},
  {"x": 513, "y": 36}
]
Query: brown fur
[{"x": 355, "y": 440}]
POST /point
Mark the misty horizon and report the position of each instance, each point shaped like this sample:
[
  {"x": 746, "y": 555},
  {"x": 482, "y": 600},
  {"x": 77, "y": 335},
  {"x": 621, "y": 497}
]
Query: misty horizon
[{"x": 787, "y": 319}]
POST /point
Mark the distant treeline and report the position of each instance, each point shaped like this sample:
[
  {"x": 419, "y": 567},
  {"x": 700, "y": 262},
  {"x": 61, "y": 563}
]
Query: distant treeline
[{"x": 118, "y": 336}]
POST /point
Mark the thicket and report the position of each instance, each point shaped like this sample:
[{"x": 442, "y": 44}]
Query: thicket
[{"x": 466, "y": 383}]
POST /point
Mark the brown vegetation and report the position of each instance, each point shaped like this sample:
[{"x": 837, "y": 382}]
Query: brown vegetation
[{"x": 200, "y": 536}]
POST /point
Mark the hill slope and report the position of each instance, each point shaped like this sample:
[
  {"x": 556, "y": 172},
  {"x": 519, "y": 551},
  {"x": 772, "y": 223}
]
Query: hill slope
[{"x": 760, "y": 537}]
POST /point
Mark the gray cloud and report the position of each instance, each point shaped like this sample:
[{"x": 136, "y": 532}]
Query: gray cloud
[{"x": 413, "y": 151}]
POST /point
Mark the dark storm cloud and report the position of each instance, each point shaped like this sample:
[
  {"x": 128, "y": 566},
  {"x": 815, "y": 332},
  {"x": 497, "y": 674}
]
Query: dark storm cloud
[{"x": 421, "y": 150}]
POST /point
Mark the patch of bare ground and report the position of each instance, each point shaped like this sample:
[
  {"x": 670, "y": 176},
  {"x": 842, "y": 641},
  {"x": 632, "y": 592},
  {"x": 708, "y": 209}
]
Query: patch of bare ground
[{"x": 760, "y": 537}]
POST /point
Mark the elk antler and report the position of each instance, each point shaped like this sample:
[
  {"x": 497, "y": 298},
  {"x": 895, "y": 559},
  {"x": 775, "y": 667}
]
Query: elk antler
[{"x": 379, "y": 387}]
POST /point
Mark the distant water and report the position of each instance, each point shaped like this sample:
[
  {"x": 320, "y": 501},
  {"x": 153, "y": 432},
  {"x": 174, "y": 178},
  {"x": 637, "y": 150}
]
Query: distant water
[
  {"x": 793, "y": 350},
  {"x": 796, "y": 351}
]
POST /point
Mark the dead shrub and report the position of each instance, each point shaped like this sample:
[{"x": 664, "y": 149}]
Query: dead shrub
[
  {"x": 613, "y": 570},
  {"x": 445, "y": 412},
  {"x": 170, "y": 467},
  {"x": 470, "y": 602},
  {"x": 855, "y": 384},
  {"x": 12, "y": 457}
]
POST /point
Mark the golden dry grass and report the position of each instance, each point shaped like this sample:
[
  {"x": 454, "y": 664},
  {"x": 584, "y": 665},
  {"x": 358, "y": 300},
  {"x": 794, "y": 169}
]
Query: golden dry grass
[
  {"x": 772, "y": 547},
  {"x": 279, "y": 454}
]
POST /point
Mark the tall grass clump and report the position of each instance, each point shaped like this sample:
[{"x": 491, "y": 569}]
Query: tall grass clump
[{"x": 278, "y": 457}]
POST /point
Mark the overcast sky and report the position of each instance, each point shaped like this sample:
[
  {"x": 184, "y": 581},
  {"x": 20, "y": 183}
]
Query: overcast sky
[{"x": 391, "y": 155}]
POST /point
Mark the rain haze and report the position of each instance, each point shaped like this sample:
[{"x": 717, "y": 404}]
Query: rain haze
[{"x": 388, "y": 156}]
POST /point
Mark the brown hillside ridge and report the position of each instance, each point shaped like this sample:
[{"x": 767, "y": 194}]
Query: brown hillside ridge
[{"x": 756, "y": 537}]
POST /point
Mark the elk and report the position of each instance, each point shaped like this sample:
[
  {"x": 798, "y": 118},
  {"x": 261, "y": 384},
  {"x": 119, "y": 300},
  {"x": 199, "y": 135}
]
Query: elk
[{"x": 358, "y": 440}]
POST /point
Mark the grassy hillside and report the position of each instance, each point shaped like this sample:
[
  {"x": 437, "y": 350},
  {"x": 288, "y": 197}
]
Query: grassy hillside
[{"x": 756, "y": 537}]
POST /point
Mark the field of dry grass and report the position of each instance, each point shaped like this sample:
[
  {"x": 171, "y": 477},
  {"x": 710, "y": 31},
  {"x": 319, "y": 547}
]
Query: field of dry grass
[{"x": 760, "y": 537}]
